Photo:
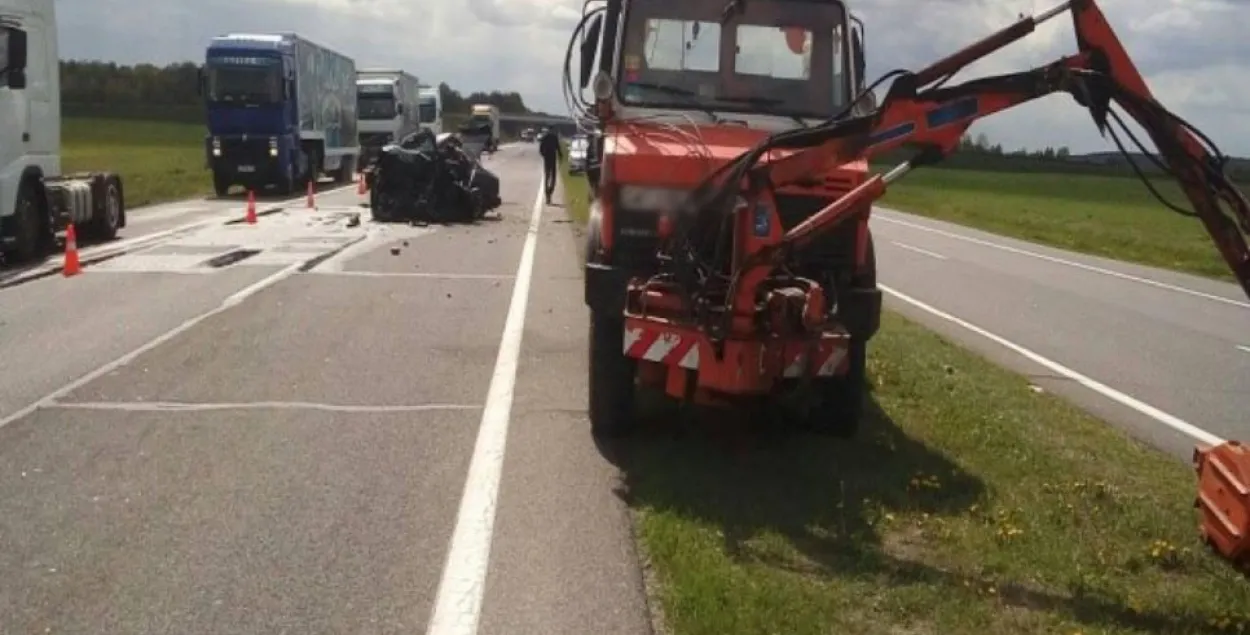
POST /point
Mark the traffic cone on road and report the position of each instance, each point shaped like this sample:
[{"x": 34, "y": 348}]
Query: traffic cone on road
[
  {"x": 360, "y": 183},
  {"x": 251, "y": 207},
  {"x": 312, "y": 192},
  {"x": 72, "y": 266}
]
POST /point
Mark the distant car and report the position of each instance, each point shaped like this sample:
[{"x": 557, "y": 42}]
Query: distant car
[{"x": 579, "y": 148}]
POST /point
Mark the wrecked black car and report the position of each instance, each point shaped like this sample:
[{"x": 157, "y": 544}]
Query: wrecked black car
[{"x": 428, "y": 178}]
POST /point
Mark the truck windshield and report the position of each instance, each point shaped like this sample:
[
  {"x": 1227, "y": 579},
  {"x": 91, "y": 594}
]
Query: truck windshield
[
  {"x": 782, "y": 57},
  {"x": 375, "y": 102},
  {"x": 257, "y": 82},
  {"x": 429, "y": 110},
  {"x": 480, "y": 121}
]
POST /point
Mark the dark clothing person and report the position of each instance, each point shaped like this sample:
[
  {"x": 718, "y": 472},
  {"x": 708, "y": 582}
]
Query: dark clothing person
[{"x": 549, "y": 148}]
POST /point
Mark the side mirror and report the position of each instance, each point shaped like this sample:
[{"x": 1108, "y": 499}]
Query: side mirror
[
  {"x": 17, "y": 51},
  {"x": 590, "y": 43},
  {"x": 857, "y": 55},
  {"x": 16, "y": 79},
  {"x": 399, "y": 109}
]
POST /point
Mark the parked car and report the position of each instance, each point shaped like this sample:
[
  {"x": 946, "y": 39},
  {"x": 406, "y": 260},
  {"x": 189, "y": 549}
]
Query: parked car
[{"x": 579, "y": 147}]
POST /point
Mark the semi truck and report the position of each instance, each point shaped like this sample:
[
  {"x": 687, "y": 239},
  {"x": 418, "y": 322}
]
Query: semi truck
[
  {"x": 431, "y": 108},
  {"x": 281, "y": 111},
  {"x": 388, "y": 107},
  {"x": 36, "y": 200},
  {"x": 482, "y": 128}
]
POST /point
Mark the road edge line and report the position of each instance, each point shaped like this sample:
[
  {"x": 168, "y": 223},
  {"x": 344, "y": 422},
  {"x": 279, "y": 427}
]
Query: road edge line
[
  {"x": 1172, "y": 421},
  {"x": 462, "y": 588},
  {"x": 1111, "y": 273}
]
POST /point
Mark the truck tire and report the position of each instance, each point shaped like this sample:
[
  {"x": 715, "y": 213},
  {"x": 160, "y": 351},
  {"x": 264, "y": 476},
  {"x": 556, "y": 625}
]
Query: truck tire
[
  {"x": 838, "y": 407},
  {"x": 612, "y": 374},
  {"x": 839, "y": 402},
  {"x": 28, "y": 225},
  {"x": 221, "y": 187},
  {"x": 104, "y": 226}
]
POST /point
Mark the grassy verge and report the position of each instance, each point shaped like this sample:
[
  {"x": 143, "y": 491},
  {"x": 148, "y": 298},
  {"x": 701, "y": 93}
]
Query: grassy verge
[
  {"x": 158, "y": 161},
  {"x": 1109, "y": 216},
  {"x": 576, "y": 191},
  {"x": 971, "y": 504}
]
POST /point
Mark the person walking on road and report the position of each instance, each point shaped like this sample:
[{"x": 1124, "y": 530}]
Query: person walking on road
[{"x": 549, "y": 147}]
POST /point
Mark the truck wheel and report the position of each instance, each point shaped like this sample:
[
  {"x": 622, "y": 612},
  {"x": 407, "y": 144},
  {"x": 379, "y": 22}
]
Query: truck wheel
[
  {"x": 28, "y": 226},
  {"x": 221, "y": 187},
  {"x": 611, "y": 378},
  {"x": 838, "y": 403},
  {"x": 104, "y": 226}
]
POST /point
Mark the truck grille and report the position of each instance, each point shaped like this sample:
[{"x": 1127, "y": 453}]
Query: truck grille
[
  {"x": 253, "y": 149},
  {"x": 635, "y": 241}
]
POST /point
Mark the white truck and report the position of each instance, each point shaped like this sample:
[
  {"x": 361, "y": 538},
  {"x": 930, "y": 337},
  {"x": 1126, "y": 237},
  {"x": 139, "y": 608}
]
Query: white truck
[
  {"x": 482, "y": 128},
  {"x": 431, "y": 109},
  {"x": 36, "y": 200},
  {"x": 387, "y": 107}
]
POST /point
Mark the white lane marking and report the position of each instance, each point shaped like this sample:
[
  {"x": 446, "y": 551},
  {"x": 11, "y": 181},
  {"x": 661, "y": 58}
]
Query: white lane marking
[
  {"x": 1070, "y": 263},
  {"x": 918, "y": 250},
  {"x": 458, "y": 606},
  {"x": 178, "y": 406},
  {"x": 1244, "y": 349},
  {"x": 227, "y": 304},
  {"x": 1171, "y": 421},
  {"x": 411, "y": 274}
]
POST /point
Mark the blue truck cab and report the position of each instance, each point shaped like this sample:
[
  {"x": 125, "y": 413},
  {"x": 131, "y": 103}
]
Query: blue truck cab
[{"x": 281, "y": 111}]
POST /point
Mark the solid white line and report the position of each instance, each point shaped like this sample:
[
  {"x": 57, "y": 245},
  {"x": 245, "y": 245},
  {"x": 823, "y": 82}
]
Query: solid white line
[
  {"x": 1070, "y": 263},
  {"x": 1244, "y": 349},
  {"x": 1171, "y": 421},
  {"x": 918, "y": 250},
  {"x": 175, "y": 406},
  {"x": 229, "y": 302},
  {"x": 458, "y": 606},
  {"x": 412, "y": 274}
]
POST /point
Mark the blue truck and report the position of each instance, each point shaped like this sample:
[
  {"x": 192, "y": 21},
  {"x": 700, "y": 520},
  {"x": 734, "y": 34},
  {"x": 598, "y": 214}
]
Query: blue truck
[{"x": 281, "y": 111}]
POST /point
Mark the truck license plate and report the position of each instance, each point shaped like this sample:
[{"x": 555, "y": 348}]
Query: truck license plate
[{"x": 247, "y": 168}]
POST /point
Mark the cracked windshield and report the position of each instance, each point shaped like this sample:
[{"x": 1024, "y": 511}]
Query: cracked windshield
[{"x": 710, "y": 317}]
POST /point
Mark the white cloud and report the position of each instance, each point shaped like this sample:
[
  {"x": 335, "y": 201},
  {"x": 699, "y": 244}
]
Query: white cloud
[{"x": 1193, "y": 52}]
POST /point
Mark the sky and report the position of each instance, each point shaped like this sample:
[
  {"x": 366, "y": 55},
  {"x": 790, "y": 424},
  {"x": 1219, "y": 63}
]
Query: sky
[{"x": 1193, "y": 53}]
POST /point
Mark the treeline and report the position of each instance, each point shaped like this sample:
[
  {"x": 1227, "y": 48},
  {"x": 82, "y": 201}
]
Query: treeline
[{"x": 171, "y": 92}]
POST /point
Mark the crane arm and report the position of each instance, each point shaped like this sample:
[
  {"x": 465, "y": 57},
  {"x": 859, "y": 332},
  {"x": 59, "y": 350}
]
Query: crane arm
[{"x": 919, "y": 111}]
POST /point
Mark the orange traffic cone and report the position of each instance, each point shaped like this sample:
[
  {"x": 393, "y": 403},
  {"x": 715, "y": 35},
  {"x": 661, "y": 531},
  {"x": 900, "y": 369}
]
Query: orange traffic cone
[
  {"x": 312, "y": 191},
  {"x": 72, "y": 266},
  {"x": 360, "y": 180},
  {"x": 251, "y": 207}
]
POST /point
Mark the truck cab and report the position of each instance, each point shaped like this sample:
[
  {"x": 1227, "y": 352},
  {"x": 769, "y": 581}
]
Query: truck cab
[
  {"x": 727, "y": 76},
  {"x": 280, "y": 109},
  {"x": 431, "y": 110},
  {"x": 36, "y": 200},
  {"x": 388, "y": 108},
  {"x": 483, "y": 126}
]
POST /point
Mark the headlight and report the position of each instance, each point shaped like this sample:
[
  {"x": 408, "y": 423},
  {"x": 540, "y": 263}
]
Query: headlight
[{"x": 647, "y": 198}]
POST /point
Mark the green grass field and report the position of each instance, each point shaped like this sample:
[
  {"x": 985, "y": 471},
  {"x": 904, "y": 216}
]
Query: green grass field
[
  {"x": 158, "y": 161},
  {"x": 972, "y": 503},
  {"x": 1109, "y": 216}
]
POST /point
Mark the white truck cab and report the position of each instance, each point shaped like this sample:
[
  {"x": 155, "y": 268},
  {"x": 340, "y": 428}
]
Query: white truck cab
[
  {"x": 36, "y": 201},
  {"x": 431, "y": 109}
]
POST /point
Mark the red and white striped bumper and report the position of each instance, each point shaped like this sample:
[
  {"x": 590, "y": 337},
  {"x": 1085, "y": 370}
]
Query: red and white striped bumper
[{"x": 684, "y": 348}]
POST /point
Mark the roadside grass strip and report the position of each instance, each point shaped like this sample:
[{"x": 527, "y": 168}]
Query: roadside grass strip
[
  {"x": 1109, "y": 216},
  {"x": 158, "y": 161}
]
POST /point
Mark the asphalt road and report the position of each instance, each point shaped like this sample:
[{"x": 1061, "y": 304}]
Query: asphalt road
[
  {"x": 1163, "y": 354},
  {"x": 316, "y": 438}
]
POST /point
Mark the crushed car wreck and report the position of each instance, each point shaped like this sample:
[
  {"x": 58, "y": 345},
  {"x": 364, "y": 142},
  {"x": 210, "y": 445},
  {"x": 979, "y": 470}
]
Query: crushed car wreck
[{"x": 428, "y": 178}]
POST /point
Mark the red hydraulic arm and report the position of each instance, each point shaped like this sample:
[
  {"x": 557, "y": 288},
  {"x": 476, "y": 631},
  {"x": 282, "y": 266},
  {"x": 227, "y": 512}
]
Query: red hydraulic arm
[{"x": 919, "y": 111}]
